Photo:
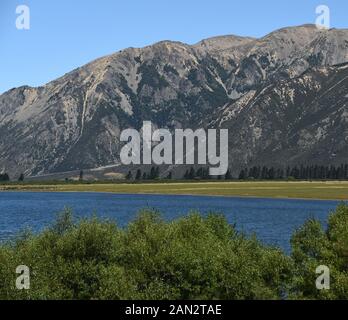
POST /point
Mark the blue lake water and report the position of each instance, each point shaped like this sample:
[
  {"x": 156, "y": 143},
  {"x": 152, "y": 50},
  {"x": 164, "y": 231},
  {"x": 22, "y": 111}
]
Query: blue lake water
[{"x": 272, "y": 220}]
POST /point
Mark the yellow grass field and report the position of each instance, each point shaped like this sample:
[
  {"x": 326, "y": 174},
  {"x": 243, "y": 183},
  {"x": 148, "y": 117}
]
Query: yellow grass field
[{"x": 335, "y": 190}]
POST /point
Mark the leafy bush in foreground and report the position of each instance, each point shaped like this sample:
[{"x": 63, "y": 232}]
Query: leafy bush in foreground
[
  {"x": 193, "y": 257},
  {"x": 312, "y": 247}
]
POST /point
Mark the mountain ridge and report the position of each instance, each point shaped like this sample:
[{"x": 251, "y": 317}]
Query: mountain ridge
[{"x": 74, "y": 122}]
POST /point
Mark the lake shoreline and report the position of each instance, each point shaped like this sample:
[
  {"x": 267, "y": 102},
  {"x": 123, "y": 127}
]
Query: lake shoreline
[
  {"x": 173, "y": 195},
  {"x": 297, "y": 190}
]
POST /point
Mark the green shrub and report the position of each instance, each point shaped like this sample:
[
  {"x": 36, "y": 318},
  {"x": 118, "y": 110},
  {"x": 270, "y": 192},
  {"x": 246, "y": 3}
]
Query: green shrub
[
  {"x": 312, "y": 246},
  {"x": 193, "y": 257}
]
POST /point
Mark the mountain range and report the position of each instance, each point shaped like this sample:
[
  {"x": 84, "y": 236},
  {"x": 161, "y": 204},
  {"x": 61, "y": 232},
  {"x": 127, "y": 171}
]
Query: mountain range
[{"x": 283, "y": 97}]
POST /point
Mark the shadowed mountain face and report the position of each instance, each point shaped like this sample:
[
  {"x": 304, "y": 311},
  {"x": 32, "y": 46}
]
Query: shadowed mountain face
[{"x": 284, "y": 99}]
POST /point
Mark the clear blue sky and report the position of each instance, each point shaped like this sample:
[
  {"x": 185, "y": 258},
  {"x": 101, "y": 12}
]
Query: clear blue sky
[{"x": 66, "y": 34}]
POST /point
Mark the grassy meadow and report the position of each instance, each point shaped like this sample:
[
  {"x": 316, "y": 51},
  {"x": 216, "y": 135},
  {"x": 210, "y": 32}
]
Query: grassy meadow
[{"x": 335, "y": 190}]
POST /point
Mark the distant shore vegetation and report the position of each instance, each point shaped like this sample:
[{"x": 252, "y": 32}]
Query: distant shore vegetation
[
  {"x": 193, "y": 257},
  {"x": 258, "y": 173}
]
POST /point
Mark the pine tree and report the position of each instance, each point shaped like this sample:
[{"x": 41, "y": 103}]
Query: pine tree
[
  {"x": 192, "y": 174},
  {"x": 264, "y": 173},
  {"x": 206, "y": 174},
  {"x": 200, "y": 173},
  {"x": 4, "y": 177},
  {"x": 271, "y": 174},
  {"x": 242, "y": 175},
  {"x": 138, "y": 175},
  {"x": 129, "y": 176}
]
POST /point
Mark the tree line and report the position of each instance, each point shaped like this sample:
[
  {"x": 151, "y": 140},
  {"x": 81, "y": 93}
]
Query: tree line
[
  {"x": 302, "y": 172},
  {"x": 5, "y": 177},
  {"x": 297, "y": 172},
  {"x": 154, "y": 174}
]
